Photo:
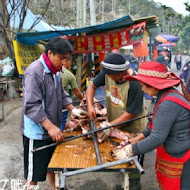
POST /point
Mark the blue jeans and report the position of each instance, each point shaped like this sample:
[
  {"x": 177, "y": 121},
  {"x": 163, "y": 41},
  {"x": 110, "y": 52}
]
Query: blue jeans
[{"x": 64, "y": 119}]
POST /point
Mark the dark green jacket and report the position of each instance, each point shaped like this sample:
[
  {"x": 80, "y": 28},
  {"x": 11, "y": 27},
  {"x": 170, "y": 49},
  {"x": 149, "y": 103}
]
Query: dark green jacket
[{"x": 160, "y": 59}]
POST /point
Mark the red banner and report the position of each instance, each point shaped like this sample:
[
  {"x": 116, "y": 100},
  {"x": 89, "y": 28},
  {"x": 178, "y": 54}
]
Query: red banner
[
  {"x": 141, "y": 49},
  {"x": 109, "y": 40}
]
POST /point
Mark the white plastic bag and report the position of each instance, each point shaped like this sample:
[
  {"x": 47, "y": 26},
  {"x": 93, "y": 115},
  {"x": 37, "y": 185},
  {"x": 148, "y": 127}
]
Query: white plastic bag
[{"x": 8, "y": 68}]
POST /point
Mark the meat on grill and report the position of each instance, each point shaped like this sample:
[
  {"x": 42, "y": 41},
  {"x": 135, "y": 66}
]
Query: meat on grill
[{"x": 75, "y": 123}]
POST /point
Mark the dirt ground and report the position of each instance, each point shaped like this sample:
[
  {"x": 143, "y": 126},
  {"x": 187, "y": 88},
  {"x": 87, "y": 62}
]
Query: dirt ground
[
  {"x": 11, "y": 165},
  {"x": 11, "y": 154}
]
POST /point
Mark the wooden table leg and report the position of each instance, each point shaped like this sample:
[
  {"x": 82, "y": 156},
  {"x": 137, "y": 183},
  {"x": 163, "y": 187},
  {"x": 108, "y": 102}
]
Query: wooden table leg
[
  {"x": 126, "y": 181},
  {"x": 57, "y": 180}
]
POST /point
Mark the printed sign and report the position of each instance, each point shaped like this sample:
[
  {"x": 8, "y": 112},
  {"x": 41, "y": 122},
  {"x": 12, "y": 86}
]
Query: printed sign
[
  {"x": 109, "y": 40},
  {"x": 26, "y": 54}
]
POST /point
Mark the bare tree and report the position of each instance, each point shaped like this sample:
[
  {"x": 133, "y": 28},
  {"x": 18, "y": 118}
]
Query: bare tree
[
  {"x": 4, "y": 34},
  {"x": 9, "y": 11}
]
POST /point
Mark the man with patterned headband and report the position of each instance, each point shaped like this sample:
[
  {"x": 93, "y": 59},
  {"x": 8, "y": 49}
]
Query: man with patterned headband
[
  {"x": 124, "y": 99},
  {"x": 169, "y": 130}
]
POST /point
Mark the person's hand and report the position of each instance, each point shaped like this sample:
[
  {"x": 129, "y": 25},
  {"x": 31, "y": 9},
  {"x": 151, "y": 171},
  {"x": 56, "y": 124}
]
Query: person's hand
[
  {"x": 91, "y": 112},
  {"x": 79, "y": 113},
  {"x": 103, "y": 135},
  {"x": 122, "y": 153},
  {"x": 136, "y": 139},
  {"x": 166, "y": 58},
  {"x": 56, "y": 134}
]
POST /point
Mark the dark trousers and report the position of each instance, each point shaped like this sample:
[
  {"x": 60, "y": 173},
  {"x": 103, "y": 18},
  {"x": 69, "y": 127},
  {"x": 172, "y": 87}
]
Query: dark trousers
[
  {"x": 178, "y": 65},
  {"x": 64, "y": 119},
  {"x": 134, "y": 180},
  {"x": 185, "y": 183}
]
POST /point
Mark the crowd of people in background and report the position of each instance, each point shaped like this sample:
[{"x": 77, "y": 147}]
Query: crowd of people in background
[{"x": 165, "y": 58}]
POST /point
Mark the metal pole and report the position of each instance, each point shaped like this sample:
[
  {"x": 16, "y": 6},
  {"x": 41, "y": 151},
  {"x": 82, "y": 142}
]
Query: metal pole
[
  {"x": 83, "y": 75},
  {"x": 90, "y": 132},
  {"x": 99, "y": 167},
  {"x": 63, "y": 180},
  {"x": 94, "y": 138},
  {"x": 139, "y": 167},
  {"x": 92, "y": 13}
]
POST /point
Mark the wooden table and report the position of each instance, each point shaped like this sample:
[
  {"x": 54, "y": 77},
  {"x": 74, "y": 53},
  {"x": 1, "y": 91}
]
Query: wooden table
[{"x": 79, "y": 153}]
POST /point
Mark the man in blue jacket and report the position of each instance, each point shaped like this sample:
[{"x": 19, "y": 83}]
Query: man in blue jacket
[{"x": 43, "y": 101}]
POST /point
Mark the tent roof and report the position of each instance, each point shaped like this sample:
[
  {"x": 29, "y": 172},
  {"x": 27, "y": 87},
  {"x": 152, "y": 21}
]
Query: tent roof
[
  {"x": 167, "y": 44},
  {"x": 33, "y": 37},
  {"x": 170, "y": 38},
  {"x": 151, "y": 21},
  {"x": 152, "y": 24},
  {"x": 29, "y": 19}
]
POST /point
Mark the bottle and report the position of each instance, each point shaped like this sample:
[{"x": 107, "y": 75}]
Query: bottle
[{"x": 87, "y": 82}]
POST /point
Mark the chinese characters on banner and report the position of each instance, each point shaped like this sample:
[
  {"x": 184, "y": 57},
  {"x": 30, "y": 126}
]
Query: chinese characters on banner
[
  {"x": 26, "y": 54},
  {"x": 109, "y": 40}
]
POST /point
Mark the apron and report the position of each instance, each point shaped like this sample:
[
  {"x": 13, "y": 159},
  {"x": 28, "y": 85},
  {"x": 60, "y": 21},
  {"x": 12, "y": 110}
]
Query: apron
[
  {"x": 116, "y": 98},
  {"x": 168, "y": 168}
]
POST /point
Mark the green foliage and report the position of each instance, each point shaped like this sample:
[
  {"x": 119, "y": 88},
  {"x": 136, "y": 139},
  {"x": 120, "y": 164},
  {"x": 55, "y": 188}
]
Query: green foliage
[
  {"x": 185, "y": 36},
  {"x": 187, "y": 6}
]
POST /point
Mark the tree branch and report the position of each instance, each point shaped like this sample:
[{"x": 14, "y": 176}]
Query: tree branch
[{"x": 41, "y": 16}]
